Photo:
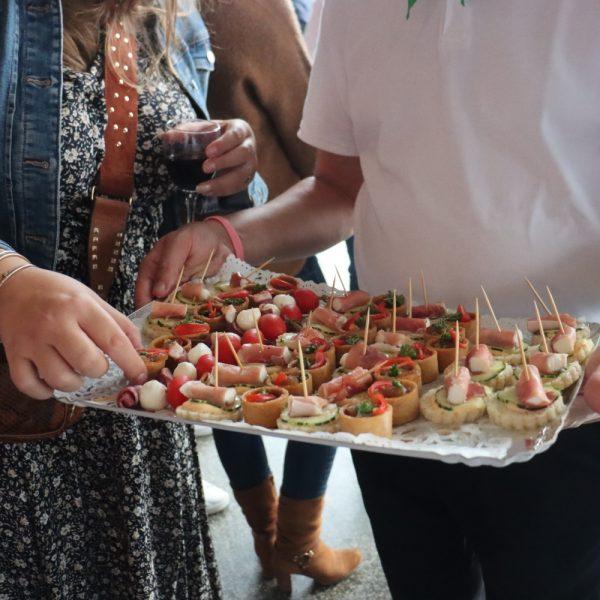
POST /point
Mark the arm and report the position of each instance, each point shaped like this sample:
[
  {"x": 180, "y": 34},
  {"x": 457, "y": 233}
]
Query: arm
[{"x": 311, "y": 216}]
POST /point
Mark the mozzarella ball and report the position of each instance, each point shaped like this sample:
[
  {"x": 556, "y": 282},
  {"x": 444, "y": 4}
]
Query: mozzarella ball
[
  {"x": 246, "y": 318},
  {"x": 185, "y": 368},
  {"x": 153, "y": 395},
  {"x": 197, "y": 351},
  {"x": 282, "y": 300},
  {"x": 229, "y": 313},
  {"x": 269, "y": 309}
]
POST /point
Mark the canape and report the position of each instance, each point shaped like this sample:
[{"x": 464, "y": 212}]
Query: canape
[
  {"x": 309, "y": 414},
  {"x": 401, "y": 394},
  {"x": 206, "y": 402},
  {"x": 262, "y": 406},
  {"x": 374, "y": 416}
]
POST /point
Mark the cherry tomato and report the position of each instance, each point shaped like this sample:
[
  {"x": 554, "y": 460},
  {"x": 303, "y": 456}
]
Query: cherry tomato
[
  {"x": 306, "y": 300},
  {"x": 225, "y": 353},
  {"x": 250, "y": 337},
  {"x": 191, "y": 329},
  {"x": 205, "y": 364},
  {"x": 260, "y": 397},
  {"x": 174, "y": 396},
  {"x": 291, "y": 313},
  {"x": 272, "y": 326}
]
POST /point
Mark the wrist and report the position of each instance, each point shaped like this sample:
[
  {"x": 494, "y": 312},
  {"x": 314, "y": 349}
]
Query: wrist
[{"x": 227, "y": 235}]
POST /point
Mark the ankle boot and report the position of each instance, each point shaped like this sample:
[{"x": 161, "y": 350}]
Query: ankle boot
[
  {"x": 259, "y": 505},
  {"x": 299, "y": 549}
]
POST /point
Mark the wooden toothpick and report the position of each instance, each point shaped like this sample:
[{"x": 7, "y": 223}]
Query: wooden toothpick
[
  {"x": 410, "y": 297},
  {"x": 424, "y": 288},
  {"x": 235, "y": 354},
  {"x": 331, "y": 295},
  {"x": 537, "y": 295},
  {"x": 216, "y": 367},
  {"x": 341, "y": 281},
  {"x": 309, "y": 319},
  {"x": 367, "y": 324},
  {"x": 302, "y": 370},
  {"x": 174, "y": 293},
  {"x": 258, "y": 332},
  {"x": 541, "y": 326},
  {"x": 394, "y": 309},
  {"x": 456, "y": 350},
  {"x": 260, "y": 267},
  {"x": 491, "y": 309},
  {"x": 556, "y": 313},
  {"x": 522, "y": 350},
  {"x": 476, "y": 322},
  {"x": 210, "y": 257}
]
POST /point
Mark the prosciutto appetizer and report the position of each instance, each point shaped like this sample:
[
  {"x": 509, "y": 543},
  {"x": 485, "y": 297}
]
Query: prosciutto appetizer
[
  {"x": 549, "y": 363},
  {"x": 479, "y": 359},
  {"x": 329, "y": 318},
  {"x": 367, "y": 360},
  {"x": 340, "y": 388},
  {"x": 168, "y": 310},
  {"x": 129, "y": 397},
  {"x": 505, "y": 339},
  {"x": 564, "y": 343},
  {"x": 392, "y": 338},
  {"x": 433, "y": 311},
  {"x": 176, "y": 351},
  {"x": 412, "y": 324},
  {"x": 550, "y": 323},
  {"x": 309, "y": 406},
  {"x": 165, "y": 376},
  {"x": 195, "y": 290},
  {"x": 222, "y": 397},
  {"x": 531, "y": 392},
  {"x": 459, "y": 388},
  {"x": 279, "y": 356},
  {"x": 350, "y": 300},
  {"x": 232, "y": 375},
  {"x": 261, "y": 297}
]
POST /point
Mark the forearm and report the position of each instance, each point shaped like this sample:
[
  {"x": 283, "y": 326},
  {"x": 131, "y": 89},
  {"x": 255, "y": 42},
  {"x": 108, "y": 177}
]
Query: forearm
[{"x": 308, "y": 218}]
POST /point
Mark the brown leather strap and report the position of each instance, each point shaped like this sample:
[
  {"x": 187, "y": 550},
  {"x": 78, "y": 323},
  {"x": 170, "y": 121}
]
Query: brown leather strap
[{"x": 114, "y": 190}]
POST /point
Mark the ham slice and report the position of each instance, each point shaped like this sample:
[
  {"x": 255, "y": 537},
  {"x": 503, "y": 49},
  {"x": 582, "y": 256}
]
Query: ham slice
[
  {"x": 350, "y": 300},
  {"x": 457, "y": 386},
  {"x": 391, "y": 338},
  {"x": 549, "y": 363},
  {"x": 329, "y": 318},
  {"x": 433, "y": 311},
  {"x": 165, "y": 376},
  {"x": 261, "y": 297},
  {"x": 195, "y": 289},
  {"x": 177, "y": 351},
  {"x": 167, "y": 310},
  {"x": 550, "y": 323},
  {"x": 222, "y": 397},
  {"x": 479, "y": 359},
  {"x": 411, "y": 324},
  {"x": 129, "y": 396},
  {"x": 309, "y": 406},
  {"x": 355, "y": 357},
  {"x": 307, "y": 336},
  {"x": 230, "y": 375},
  {"x": 270, "y": 355},
  {"x": 237, "y": 280},
  {"x": 340, "y": 388},
  {"x": 505, "y": 339},
  {"x": 531, "y": 392},
  {"x": 564, "y": 343}
]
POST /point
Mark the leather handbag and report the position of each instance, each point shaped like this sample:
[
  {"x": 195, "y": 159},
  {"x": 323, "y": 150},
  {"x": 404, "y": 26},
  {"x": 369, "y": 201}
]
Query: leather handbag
[{"x": 23, "y": 419}]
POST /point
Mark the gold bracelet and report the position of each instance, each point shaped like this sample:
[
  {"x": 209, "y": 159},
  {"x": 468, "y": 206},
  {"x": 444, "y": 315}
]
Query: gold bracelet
[{"x": 11, "y": 272}]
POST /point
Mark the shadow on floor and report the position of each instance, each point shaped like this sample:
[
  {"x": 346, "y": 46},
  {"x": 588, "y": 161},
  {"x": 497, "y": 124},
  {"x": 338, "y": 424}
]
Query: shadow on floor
[{"x": 345, "y": 524}]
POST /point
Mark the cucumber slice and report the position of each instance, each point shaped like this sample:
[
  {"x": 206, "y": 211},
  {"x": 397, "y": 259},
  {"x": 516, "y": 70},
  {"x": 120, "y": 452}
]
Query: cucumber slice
[
  {"x": 236, "y": 406},
  {"x": 509, "y": 396},
  {"x": 329, "y": 415},
  {"x": 168, "y": 323},
  {"x": 442, "y": 401},
  {"x": 497, "y": 368}
]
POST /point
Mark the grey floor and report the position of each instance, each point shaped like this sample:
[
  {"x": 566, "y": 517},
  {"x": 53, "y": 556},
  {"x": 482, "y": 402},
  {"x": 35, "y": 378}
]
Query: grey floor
[{"x": 345, "y": 524}]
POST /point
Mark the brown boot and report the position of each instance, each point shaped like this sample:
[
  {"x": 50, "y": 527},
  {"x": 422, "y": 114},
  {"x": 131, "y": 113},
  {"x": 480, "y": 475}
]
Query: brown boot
[
  {"x": 259, "y": 505},
  {"x": 299, "y": 550}
]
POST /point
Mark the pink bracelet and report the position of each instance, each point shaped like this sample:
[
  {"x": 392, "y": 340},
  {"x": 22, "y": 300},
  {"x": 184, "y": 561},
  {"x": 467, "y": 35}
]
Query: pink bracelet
[{"x": 236, "y": 241}]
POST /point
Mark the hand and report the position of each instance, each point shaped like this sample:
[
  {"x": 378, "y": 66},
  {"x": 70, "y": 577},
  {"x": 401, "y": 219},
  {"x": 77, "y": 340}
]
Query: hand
[
  {"x": 191, "y": 246},
  {"x": 233, "y": 155},
  {"x": 591, "y": 390},
  {"x": 55, "y": 331}
]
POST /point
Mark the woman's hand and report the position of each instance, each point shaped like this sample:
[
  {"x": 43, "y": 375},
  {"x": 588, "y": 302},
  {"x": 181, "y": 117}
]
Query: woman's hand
[
  {"x": 233, "y": 156},
  {"x": 191, "y": 246},
  {"x": 55, "y": 331},
  {"x": 591, "y": 390}
]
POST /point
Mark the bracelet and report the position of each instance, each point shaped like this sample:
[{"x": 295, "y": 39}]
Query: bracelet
[
  {"x": 10, "y": 273},
  {"x": 236, "y": 241},
  {"x": 8, "y": 253}
]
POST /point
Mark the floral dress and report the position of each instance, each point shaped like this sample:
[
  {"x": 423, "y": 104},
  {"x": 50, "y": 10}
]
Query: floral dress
[{"x": 113, "y": 508}]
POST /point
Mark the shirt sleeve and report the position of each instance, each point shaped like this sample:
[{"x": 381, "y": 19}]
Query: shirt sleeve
[
  {"x": 5, "y": 246},
  {"x": 326, "y": 122}
]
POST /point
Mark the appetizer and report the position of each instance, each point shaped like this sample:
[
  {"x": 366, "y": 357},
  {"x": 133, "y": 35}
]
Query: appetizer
[
  {"x": 263, "y": 406},
  {"x": 309, "y": 414},
  {"x": 401, "y": 367},
  {"x": 425, "y": 358},
  {"x": 193, "y": 292},
  {"x": 444, "y": 344},
  {"x": 485, "y": 368},
  {"x": 370, "y": 415},
  {"x": 163, "y": 317},
  {"x": 344, "y": 386},
  {"x": 154, "y": 360},
  {"x": 401, "y": 394},
  {"x": 555, "y": 369},
  {"x": 504, "y": 344},
  {"x": 207, "y": 402}
]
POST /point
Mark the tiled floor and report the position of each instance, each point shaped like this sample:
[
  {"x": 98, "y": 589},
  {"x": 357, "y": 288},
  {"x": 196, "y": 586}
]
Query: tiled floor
[{"x": 345, "y": 524}]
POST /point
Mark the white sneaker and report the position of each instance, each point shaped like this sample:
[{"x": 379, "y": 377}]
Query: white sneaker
[
  {"x": 202, "y": 431},
  {"x": 215, "y": 498}
]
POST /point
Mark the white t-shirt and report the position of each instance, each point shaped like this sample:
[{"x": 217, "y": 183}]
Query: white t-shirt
[{"x": 478, "y": 132}]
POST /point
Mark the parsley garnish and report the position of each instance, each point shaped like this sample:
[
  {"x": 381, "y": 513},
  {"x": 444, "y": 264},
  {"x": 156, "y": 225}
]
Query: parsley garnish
[
  {"x": 394, "y": 371},
  {"x": 408, "y": 350},
  {"x": 364, "y": 409}
]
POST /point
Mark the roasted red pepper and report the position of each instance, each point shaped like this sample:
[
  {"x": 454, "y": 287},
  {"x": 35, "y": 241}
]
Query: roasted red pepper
[
  {"x": 260, "y": 397},
  {"x": 191, "y": 329},
  {"x": 235, "y": 294},
  {"x": 281, "y": 378},
  {"x": 283, "y": 283}
]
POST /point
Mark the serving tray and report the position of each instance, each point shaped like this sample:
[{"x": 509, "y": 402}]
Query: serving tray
[{"x": 474, "y": 444}]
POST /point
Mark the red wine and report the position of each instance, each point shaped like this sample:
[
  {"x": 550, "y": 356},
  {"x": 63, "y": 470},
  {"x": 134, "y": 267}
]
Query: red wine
[{"x": 187, "y": 173}]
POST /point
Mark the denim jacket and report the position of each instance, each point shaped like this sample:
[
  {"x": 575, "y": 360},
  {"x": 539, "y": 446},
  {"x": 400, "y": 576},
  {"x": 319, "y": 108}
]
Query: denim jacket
[{"x": 30, "y": 108}]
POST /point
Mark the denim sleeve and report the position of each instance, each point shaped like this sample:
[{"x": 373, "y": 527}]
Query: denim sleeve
[{"x": 4, "y": 246}]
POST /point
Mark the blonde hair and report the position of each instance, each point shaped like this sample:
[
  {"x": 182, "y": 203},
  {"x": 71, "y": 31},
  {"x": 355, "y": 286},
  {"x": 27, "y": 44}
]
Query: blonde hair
[{"x": 86, "y": 20}]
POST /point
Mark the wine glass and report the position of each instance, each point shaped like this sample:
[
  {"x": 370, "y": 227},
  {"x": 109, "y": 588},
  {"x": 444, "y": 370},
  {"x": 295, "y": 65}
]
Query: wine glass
[{"x": 184, "y": 149}]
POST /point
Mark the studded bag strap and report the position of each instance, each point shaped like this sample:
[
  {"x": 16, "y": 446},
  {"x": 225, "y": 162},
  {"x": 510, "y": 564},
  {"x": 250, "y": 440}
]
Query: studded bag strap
[{"x": 113, "y": 192}]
